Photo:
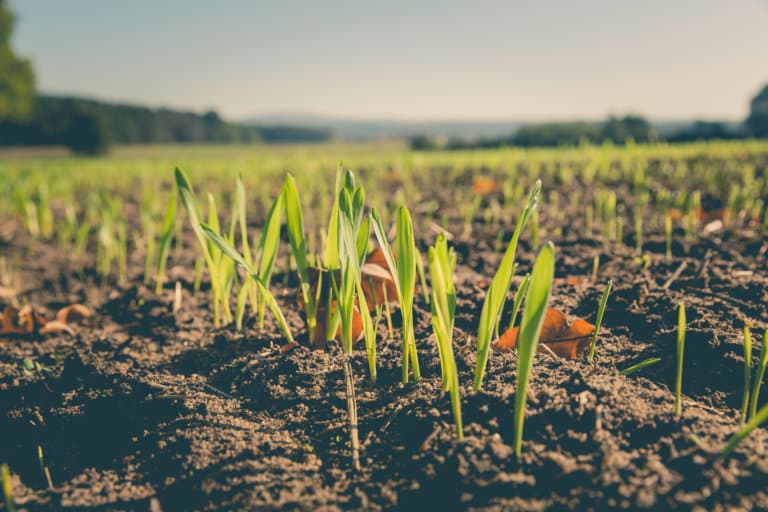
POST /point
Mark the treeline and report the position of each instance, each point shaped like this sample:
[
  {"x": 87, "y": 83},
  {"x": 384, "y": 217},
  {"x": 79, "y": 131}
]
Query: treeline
[
  {"x": 89, "y": 126},
  {"x": 617, "y": 130}
]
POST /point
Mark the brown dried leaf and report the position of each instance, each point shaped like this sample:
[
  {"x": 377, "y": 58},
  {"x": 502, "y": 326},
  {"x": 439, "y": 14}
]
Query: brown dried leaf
[{"x": 565, "y": 338}]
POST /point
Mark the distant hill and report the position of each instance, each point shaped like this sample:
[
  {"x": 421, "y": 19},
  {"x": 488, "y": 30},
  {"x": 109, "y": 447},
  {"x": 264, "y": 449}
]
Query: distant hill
[
  {"x": 372, "y": 129},
  {"x": 368, "y": 129}
]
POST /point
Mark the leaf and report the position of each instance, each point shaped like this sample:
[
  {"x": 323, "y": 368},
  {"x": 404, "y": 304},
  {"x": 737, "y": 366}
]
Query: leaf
[
  {"x": 74, "y": 314},
  {"x": 565, "y": 338},
  {"x": 485, "y": 185},
  {"x": 377, "y": 281}
]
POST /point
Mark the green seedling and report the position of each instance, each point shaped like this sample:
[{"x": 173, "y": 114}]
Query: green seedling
[
  {"x": 211, "y": 255},
  {"x": 758, "y": 419},
  {"x": 164, "y": 245},
  {"x": 747, "y": 374},
  {"x": 668, "y": 235},
  {"x": 536, "y": 302},
  {"x": 442, "y": 264},
  {"x": 759, "y": 376},
  {"x": 599, "y": 320},
  {"x": 519, "y": 296},
  {"x": 681, "y": 326},
  {"x": 402, "y": 265},
  {"x": 5, "y": 477},
  {"x": 639, "y": 366},
  {"x": 497, "y": 291},
  {"x": 227, "y": 249},
  {"x": 297, "y": 240}
]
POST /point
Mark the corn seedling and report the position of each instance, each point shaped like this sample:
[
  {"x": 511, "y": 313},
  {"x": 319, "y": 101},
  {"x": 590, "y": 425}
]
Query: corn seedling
[
  {"x": 5, "y": 481},
  {"x": 681, "y": 325},
  {"x": 758, "y": 419},
  {"x": 497, "y": 291},
  {"x": 228, "y": 250},
  {"x": 759, "y": 376},
  {"x": 164, "y": 245},
  {"x": 599, "y": 319},
  {"x": 747, "y": 374},
  {"x": 639, "y": 366},
  {"x": 402, "y": 265},
  {"x": 211, "y": 253},
  {"x": 536, "y": 302},
  {"x": 442, "y": 264},
  {"x": 521, "y": 291},
  {"x": 668, "y": 235},
  {"x": 297, "y": 241}
]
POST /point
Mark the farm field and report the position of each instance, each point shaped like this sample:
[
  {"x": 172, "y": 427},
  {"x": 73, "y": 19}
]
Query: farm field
[{"x": 176, "y": 387}]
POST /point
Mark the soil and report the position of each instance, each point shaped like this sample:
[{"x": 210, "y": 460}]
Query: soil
[{"x": 145, "y": 409}]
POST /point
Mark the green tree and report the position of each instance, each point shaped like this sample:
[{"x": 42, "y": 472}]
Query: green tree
[
  {"x": 17, "y": 81},
  {"x": 757, "y": 122}
]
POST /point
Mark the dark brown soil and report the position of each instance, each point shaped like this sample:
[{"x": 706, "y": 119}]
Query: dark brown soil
[{"x": 145, "y": 409}]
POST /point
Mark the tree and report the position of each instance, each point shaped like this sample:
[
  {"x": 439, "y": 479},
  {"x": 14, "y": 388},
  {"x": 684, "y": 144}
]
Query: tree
[
  {"x": 17, "y": 81},
  {"x": 87, "y": 134},
  {"x": 757, "y": 122}
]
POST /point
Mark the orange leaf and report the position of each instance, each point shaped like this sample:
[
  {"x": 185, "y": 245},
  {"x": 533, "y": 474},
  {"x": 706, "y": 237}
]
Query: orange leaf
[
  {"x": 74, "y": 314},
  {"x": 484, "y": 185},
  {"x": 56, "y": 327},
  {"x": 564, "y": 338}
]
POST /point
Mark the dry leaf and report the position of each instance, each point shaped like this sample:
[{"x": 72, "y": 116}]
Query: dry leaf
[
  {"x": 563, "y": 337},
  {"x": 485, "y": 185},
  {"x": 56, "y": 327},
  {"x": 74, "y": 314}
]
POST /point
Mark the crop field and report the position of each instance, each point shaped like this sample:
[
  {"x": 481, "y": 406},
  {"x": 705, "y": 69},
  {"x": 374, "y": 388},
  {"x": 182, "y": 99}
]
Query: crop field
[{"x": 367, "y": 327}]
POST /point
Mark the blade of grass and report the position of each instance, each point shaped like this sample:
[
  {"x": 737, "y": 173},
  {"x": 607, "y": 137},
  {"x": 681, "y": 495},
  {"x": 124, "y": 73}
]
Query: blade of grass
[
  {"x": 497, "y": 291},
  {"x": 536, "y": 302},
  {"x": 599, "y": 320}
]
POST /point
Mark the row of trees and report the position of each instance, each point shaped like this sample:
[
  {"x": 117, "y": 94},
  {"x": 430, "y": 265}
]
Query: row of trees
[
  {"x": 88, "y": 126},
  {"x": 615, "y": 129}
]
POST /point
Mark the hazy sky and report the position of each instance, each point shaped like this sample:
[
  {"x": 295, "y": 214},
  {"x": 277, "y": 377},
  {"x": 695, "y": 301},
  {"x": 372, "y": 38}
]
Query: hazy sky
[{"x": 518, "y": 60}]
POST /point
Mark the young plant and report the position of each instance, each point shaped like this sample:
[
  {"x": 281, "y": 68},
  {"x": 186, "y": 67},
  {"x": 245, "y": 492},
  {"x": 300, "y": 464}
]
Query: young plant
[
  {"x": 228, "y": 250},
  {"x": 7, "y": 485},
  {"x": 497, "y": 291},
  {"x": 166, "y": 237},
  {"x": 402, "y": 265},
  {"x": 599, "y": 320},
  {"x": 747, "y": 374},
  {"x": 681, "y": 325},
  {"x": 536, "y": 302},
  {"x": 639, "y": 366},
  {"x": 211, "y": 254},
  {"x": 442, "y": 264},
  {"x": 297, "y": 240},
  {"x": 759, "y": 377},
  {"x": 519, "y": 299},
  {"x": 757, "y": 419}
]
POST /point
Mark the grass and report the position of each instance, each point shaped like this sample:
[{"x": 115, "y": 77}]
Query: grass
[
  {"x": 761, "y": 366},
  {"x": 497, "y": 291},
  {"x": 536, "y": 302},
  {"x": 639, "y": 366},
  {"x": 747, "y": 375},
  {"x": 5, "y": 481},
  {"x": 442, "y": 264},
  {"x": 681, "y": 325},
  {"x": 599, "y": 319},
  {"x": 402, "y": 265}
]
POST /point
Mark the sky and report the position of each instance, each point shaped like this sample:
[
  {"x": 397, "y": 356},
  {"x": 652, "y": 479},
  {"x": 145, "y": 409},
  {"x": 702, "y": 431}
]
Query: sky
[{"x": 403, "y": 59}]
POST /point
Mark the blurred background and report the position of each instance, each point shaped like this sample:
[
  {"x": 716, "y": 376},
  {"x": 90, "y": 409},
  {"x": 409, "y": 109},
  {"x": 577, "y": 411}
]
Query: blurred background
[{"x": 437, "y": 74}]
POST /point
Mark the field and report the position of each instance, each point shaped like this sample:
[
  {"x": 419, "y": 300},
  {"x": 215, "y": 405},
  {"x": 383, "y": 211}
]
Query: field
[{"x": 171, "y": 393}]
